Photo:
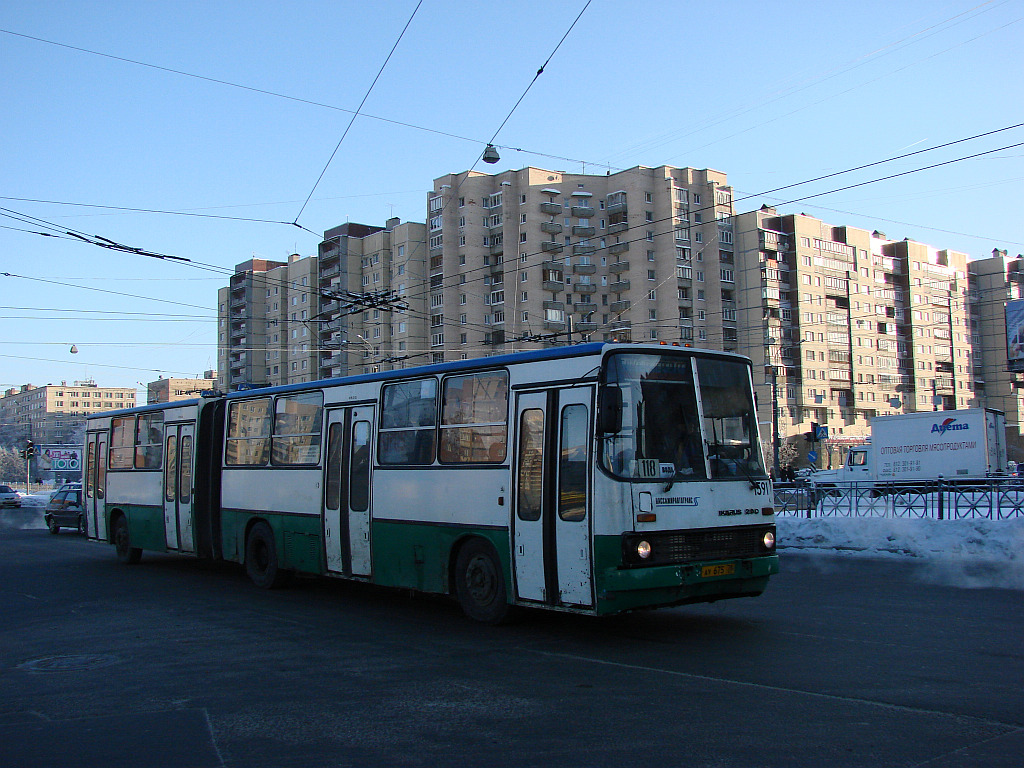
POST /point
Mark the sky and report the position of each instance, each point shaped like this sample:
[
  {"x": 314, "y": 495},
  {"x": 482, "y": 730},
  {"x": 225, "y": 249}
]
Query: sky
[{"x": 199, "y": 130}]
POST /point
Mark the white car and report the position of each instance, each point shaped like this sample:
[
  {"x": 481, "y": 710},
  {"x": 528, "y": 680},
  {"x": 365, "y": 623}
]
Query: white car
[{"x": 9, "y": 497}]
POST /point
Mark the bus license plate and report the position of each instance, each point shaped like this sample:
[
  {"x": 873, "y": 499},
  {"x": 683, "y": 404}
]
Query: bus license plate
[{"x": 717, "y": 570}]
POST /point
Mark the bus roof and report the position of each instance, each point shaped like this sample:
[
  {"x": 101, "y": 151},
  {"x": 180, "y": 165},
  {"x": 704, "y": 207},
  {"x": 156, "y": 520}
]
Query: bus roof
[{"x": 537, "y": 355}]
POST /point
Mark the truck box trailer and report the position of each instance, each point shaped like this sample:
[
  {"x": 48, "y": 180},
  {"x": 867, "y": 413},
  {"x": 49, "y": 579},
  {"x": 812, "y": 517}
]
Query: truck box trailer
[{"x": 921, "y": 446}]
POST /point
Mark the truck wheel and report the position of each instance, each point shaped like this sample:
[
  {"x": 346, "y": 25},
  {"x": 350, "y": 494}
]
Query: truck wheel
[{"x": 480, "y": 583}]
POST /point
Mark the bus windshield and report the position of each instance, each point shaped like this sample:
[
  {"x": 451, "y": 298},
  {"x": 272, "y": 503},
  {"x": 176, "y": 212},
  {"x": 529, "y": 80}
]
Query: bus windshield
[
  {"x": 730, "y": 422},
  {"x": 662, "y": 435}
]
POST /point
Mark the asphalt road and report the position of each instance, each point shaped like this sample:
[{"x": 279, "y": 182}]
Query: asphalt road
[{"x": 176, "y": 662}]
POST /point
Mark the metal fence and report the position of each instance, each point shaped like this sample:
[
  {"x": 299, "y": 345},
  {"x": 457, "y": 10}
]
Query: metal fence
[{"x": 987, "y": 498}]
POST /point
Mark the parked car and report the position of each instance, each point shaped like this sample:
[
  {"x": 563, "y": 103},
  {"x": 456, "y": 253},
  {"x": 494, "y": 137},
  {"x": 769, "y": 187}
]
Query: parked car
[
  {"x": 67, "y": 487},
  {"x": 65, "y": 510},
  {"x": 9, "y": 497}
]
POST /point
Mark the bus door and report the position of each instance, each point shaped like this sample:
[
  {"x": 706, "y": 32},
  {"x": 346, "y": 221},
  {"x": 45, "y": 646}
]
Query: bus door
[
  {"x": 178, "y": 463},
  {"x": 95, "y": 485},
  {"x": 347, "y": 491},
  {"x": 551, "y": 516}
]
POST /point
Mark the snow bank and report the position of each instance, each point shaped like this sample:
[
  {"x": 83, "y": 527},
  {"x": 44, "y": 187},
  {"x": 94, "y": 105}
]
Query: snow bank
[{"x": 969, "y": 553}]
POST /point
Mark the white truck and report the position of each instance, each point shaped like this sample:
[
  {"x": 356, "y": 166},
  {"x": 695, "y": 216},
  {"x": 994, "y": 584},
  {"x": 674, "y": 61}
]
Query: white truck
[{"x": 922, "y": 446}]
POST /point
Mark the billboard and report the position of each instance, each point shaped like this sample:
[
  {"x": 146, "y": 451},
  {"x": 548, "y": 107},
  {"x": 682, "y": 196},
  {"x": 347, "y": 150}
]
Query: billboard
[
  {"x": 1015, "y": 335},
  {"x": 58, "y": 458}
]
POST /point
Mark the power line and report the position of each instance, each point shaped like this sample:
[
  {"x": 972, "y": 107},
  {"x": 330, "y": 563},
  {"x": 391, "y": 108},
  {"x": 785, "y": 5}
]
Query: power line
[
  {"x": 310, "y": 102},
  {"x": 356, "y": 113}
]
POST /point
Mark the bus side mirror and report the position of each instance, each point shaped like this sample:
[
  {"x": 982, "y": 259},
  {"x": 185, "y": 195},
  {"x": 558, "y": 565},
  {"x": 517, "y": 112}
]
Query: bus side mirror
[{"x": 609, "y": 412}]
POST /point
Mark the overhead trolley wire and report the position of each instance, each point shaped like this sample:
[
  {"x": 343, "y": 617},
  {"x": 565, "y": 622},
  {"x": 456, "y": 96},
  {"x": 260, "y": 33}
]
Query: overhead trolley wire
[{"x": 358, "y": 109}]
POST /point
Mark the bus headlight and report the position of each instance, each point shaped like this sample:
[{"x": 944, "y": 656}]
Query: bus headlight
[
  {"x": 643, "y": 550},
  {"x": 768, "y": 540}
]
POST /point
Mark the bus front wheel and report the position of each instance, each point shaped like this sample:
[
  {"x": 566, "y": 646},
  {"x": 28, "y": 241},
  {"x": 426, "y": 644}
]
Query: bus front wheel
[
  {"x": 126, "y": 553},
  {"x": 261, "y": 558},
  {"x": 480, "y": 584}
]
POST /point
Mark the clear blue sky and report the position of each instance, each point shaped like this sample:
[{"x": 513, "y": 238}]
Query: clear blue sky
[{"x": 769, "y": 93}]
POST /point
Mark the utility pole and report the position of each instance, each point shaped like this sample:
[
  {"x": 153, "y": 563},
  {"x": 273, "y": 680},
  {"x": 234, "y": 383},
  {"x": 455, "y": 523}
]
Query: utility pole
[{"x": 776, "y": 438}]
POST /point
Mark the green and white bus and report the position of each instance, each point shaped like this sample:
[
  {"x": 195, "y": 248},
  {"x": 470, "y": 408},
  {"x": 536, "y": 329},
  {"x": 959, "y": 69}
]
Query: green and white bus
[{"x": 596, "y": 478}]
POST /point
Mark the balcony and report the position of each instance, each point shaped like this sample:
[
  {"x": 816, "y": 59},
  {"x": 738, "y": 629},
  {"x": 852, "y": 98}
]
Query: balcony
[
  {"x": 551, "y": 227},
  {"x": 614, "y": 229},
  {"x": 585, "y": 325},
  {"x": 584, "y": 269},
  {"x": 582, "y": 211},
  {"x": 584, "y": 250},
  {"x": 584, "y": 231},
  {"x": 616, "y": 248},
  {"x": 619, "y": 286},
  {"x": 618, "y": 307},
  {"x": 583, "y": 307},
  {"x": 619, "y": 267},
  {"x": 616, "y": 208},
  {"x": 552, "y": 209},
  {"x": 550, "y": 246},
  {"x": 552, "y": 285},
  {"x": 584, "y": 288}
]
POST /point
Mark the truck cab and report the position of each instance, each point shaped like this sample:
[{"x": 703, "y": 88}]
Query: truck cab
[{"x": 857, "y": 468}]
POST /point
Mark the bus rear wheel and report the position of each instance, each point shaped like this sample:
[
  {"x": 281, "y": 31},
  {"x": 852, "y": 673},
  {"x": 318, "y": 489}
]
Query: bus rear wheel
[
  {"x": 261, "y": 563},
  {"x": 480, "y": 584},
  {"x": 126, "y": 553}
]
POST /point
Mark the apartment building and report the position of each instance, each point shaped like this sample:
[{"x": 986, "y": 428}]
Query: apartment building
[
  {"x": 532, "y": 258},
  {"x": 55, "y": 414},
  {"x": 844, "y": 324},
  {"x": 168, "y": 390},
  {"x": 385, "y": 266},
  {"x": 523, "y": 259},
  {"x": 993, "y": 282},
  {"x": 264, "y": 333}
]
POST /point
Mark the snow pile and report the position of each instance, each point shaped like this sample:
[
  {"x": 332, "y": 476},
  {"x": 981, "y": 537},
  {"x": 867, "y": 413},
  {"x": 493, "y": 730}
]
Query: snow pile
[
  {"x": 970, "y": 553},
  {"x": 29, "y": 515}
]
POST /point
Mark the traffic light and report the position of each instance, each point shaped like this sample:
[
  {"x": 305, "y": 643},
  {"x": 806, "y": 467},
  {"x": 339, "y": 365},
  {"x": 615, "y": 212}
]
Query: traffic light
[
  {"x": 30, "y": 449},
  {"x": 812, "y": 436}
]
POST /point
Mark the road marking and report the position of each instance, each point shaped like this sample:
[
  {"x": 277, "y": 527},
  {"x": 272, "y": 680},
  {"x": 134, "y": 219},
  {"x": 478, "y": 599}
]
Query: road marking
[{"x": 779, "y": 689}]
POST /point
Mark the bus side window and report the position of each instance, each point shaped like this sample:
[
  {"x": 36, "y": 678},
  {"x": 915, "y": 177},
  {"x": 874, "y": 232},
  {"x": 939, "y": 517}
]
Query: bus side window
[
  {"x": 248, "y": 437},
  {"x": 296, "y": 433},
  {"x": 474, "y": 412},
  {"x": 333, "y": 491},
  {"x": 122, "y": 442},
  {"x": 408, "y": 423},
  {"x": 149, "y": 441},
  {"x": 531, "y": 464},
  {"x": 359, "y": 472},
  {"x": 572, "y": 464},
  {"x": 170, "y": 475}
]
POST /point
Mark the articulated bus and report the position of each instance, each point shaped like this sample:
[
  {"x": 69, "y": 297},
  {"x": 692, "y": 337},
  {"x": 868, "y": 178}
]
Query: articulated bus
[{"x": 596, "y": 478}]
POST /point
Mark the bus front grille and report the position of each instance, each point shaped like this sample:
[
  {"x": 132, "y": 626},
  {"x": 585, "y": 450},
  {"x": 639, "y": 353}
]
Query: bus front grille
[{"x": 671, "y": 547}]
